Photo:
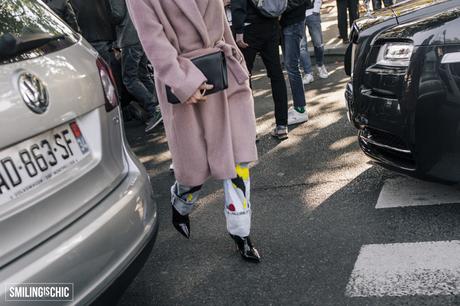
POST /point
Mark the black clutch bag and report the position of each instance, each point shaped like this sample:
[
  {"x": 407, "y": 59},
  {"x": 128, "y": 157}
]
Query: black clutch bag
[{"x": 214, "y": 68}]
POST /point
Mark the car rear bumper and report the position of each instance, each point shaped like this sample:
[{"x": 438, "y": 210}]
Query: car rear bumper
[{"x": 94, "y": 251}]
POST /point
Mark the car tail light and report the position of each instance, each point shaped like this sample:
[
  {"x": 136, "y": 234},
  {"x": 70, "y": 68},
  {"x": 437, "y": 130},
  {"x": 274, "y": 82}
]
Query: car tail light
[{"x": 108, "y": 85}]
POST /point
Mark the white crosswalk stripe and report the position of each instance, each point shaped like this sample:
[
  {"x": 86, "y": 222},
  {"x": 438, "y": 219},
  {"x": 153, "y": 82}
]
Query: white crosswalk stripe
[
  {"x": 406, "y": 191},
  {"x": 409, "y": 269},
  {"x": 406, "y": 269}
]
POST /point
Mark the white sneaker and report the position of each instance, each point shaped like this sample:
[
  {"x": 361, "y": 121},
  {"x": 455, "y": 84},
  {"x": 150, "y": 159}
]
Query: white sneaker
[
  {"x": 294, "y": 117},
  {"x": 171, "y": 168},
  {"x": 308, "y": 78},
  {"x": 322, "y": 72}
]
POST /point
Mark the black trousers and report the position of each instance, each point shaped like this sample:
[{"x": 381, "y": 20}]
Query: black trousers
[
  {"x": 353, "y": 14},
  {"x": 377, "y": 4},
  {"x": 263, "y": 39},
  {"x": 136, "y": 77}
]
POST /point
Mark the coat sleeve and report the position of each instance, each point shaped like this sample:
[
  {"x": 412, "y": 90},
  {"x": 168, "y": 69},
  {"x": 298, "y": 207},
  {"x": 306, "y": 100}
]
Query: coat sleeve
[
  {"x": 70, "y": 17},
  {"x": 239, "y": 12},
  {"x": 292, "y": 4},
  {"x": 228, "y": 38},
  {"x": 117, "y": 11},
  {"x": 178, "y": 72}
]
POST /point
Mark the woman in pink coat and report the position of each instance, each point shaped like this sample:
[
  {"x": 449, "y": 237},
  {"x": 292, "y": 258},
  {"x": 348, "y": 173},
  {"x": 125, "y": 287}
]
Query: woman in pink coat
[{"x": 212, "y": 136}]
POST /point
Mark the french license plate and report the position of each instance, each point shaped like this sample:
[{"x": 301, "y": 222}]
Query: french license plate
[{"x": 31, "y": 163}]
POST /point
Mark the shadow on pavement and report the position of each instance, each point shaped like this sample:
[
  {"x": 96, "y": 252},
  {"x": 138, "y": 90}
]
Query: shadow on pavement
[{"x": 313, "y": 199}]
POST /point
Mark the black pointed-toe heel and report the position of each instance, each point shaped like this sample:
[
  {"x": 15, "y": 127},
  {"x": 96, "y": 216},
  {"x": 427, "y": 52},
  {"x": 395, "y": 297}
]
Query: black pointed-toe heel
[
  {"x": 181, "y": 223},
  {"x": 247, "y": 250}
]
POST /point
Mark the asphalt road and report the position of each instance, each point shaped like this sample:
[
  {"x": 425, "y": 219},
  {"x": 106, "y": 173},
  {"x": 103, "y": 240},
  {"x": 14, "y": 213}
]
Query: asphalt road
[{"x": 315, "y": 223}]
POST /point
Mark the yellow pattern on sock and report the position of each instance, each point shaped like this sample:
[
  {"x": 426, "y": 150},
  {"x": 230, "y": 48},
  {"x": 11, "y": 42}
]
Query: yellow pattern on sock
[{"x": 242, "y": 172}]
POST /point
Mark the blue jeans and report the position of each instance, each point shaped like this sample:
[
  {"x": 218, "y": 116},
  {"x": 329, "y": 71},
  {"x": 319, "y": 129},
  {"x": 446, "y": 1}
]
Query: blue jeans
[
  {"x": 313, "y": 23},
  {"x": 136, "y": 77},
  {"x": 377, "y": 4},
  {"x": 292, "y": 35}
]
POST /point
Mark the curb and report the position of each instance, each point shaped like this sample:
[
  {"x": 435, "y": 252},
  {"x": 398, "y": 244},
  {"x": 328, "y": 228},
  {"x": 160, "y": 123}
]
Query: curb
[{"x": 329, "y": 51}]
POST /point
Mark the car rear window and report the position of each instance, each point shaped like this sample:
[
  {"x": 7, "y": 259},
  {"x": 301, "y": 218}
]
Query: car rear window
[{"x": 24, "y": 21}]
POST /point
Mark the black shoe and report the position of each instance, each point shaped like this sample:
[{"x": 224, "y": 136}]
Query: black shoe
[
  {"x": 247, "y": 250},
  {"x": 153, "y": 121},
  {"x": 181, "y": 223},
  {"x": 137, "y": 111}
]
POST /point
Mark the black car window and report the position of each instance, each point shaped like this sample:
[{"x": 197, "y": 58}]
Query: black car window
[{"x": 28, "y": 29}]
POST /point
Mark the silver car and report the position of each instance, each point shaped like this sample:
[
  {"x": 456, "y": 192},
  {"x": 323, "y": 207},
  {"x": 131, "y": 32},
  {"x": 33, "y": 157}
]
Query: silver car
[{"x": 76, "y": 206}]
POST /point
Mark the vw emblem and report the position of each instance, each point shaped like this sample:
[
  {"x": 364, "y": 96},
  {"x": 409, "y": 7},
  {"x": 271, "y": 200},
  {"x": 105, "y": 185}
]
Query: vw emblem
[{"x": 33, "y": 92}]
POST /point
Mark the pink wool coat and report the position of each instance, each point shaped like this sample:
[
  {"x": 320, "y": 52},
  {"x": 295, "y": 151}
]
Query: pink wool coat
[{"x": 209, "y": 138}]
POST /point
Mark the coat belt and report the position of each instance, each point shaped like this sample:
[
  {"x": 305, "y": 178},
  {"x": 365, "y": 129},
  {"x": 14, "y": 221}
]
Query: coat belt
[{"x": 236, "y": 66}]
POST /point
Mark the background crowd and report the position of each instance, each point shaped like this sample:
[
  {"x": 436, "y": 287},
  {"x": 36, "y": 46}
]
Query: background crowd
[{"x": 107, "y": 26}]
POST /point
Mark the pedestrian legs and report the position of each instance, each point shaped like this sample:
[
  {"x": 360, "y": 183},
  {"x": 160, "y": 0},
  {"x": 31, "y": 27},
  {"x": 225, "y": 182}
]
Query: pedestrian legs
[
  {"x": 313, "y": 23},
  {"x": 237, "y": 204},
  {"x": 388, "y": 2},
  {"x": 264, "y": 39},
  {"x": 353, "y": 14},
  {"x": 342, "y": 18},
  {"x": 146, "y": 78},
  {"x": 376, "y": 4},
  {"x": 132, "y": 58},
  {"x": 292, "y": 35},
  {"x": 271, "y": 58},
  {"x": 249, "y": 54},
  {"x": 183, "y": 198},
  {"x": 305, "y": 60},
  {"x": 353, "y": 11}
]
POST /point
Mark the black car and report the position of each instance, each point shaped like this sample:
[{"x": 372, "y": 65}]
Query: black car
[{"x": 404, "y": 91}]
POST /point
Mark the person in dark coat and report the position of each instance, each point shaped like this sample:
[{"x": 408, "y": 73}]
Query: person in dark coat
[
  {"x": 64, "y": 9},
  {"x": 257, "y": 34},
  {"x": 96, "y": 26},
  {"x": 95, "y": 20},
  {"x": 136, "y": 76}
]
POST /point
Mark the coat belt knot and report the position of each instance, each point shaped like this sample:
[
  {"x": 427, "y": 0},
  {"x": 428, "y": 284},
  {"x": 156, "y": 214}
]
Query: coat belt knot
[{"x": 237, "y": 67}]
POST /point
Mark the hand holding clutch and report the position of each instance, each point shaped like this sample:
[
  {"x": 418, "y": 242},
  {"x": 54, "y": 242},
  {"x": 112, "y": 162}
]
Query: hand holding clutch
[
  {"x": 199, "y": 95},
  {"x": 214, "y": 68}
]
